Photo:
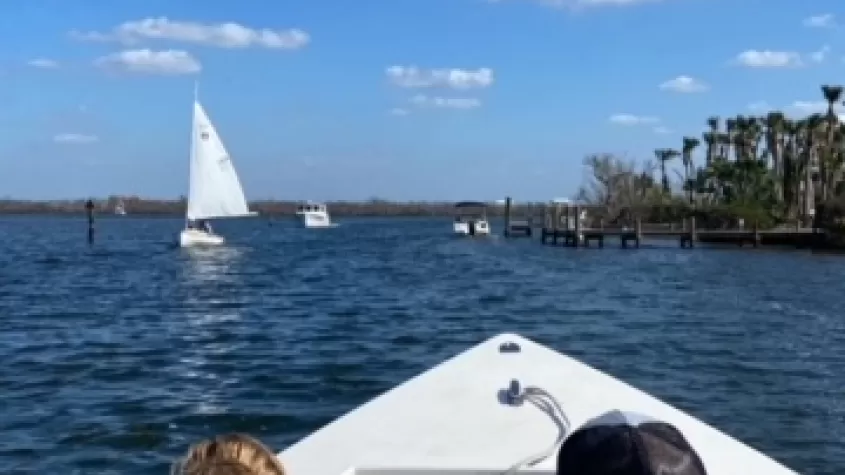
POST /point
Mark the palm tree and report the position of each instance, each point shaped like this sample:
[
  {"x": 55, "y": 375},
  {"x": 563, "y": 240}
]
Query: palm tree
[
  {"x": 833, "y": 177},
  {"x": 774, "y": 133},
  {"x": 755, "y": 136},
  {"x": 728, "y": 138},
  {"x": 774, "y": 129},
  {"x": 766, "y": 161},
  {"x": 710, "y": 142},
  {"x": 808, "y": 160},
  {"x": 739, "y": 138},
  {"x": 663, "y": 155},
  {"x": 689, "y": 144},
  {"x": 711, "y": 137},
  {"x": 789, "y": 173},
  {"x": 832, "y": 94}
]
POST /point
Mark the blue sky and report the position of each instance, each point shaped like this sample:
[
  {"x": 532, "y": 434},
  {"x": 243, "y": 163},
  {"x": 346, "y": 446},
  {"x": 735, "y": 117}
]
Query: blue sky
[{"x": 400, "y": 99}]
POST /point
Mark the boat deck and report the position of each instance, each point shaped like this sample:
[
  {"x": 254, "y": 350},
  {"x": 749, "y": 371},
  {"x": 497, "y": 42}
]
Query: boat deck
[{"x": 452, "y": 419}]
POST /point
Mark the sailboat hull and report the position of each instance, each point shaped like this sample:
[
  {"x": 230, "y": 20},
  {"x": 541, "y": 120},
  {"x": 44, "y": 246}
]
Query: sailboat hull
[{"x": 195, "y": 237}]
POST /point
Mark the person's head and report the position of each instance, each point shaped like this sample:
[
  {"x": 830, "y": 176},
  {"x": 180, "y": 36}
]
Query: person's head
[
  {"x": 231, "y": 454},
  {"x": 618, "y": 443}
]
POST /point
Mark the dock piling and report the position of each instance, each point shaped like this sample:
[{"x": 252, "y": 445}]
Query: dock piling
[
  {"x": 507, "y": 216},
  {"x": 547, "y": 224},
  {"x": 693, "y": 233},
  {"x": 638, "y": 232},
  {"x": 689, "y": 234},
  {"x": 89, "y": 209},
  {"x": 563, "y": 224},
  {"x": 577, "y": 238}
]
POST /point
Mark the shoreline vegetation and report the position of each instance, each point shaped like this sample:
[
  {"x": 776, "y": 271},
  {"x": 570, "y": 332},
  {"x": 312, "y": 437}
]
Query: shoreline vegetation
[
  {"x": 136, "y": 206},
  {"x": 767, "y": 171}
]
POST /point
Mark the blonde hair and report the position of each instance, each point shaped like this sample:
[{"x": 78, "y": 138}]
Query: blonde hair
[{"x": 231, "y": 454}]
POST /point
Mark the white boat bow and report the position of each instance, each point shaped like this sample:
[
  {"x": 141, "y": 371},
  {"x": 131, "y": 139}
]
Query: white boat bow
[{"x": 455, "y": 419}]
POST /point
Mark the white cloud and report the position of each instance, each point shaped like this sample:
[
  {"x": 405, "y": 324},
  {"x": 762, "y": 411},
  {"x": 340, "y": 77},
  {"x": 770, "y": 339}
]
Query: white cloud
[
  {"x": 768, "y": 59},
  {"x": 631, "y": 119},
  {"x": 446, "y": 102},
  {"x": 414, "y": 77},
  {"x": 662, "y": 130},
  {"x": 43, "y": 63},
  {"x": 820, "y": 55},
  {"x": 608, "y": 2},
  {"x": 223, "y": 35},
  {"x": 810, "y": 107},
  {"x": 75, "y": 138},
  {"x": 398, "y": 111},
  {"x": 760, "y": 106},
  {"x": 800, "y": 108},
  {"x": 684, "y": 84},
  {"x": 815, "y": 107},
  {"x": 582, "y": 3},
  {"x": 145, "y": 61},
  {"x": 825, "y": 20}
]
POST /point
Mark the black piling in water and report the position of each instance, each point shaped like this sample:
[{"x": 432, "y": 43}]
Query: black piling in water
[
  {"x": 507, "y": 216},
  {"x": 89, "y": 209}
]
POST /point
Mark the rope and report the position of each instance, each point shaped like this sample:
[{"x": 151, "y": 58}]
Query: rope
[{"x": 551, "y": 407}]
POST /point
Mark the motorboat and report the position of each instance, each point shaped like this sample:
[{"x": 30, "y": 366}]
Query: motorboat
[
  {"x": 314, "y": 215},
  {"x": 504, "y": 406},
  {"x": 471, "y": 219}
]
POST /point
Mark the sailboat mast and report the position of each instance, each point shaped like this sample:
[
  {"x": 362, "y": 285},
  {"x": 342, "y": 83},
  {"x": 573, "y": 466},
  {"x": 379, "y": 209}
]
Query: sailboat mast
[{"x": 192, "y": 158}]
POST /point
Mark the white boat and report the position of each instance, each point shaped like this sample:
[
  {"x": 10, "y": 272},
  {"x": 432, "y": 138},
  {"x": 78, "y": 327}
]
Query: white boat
[
  {"x": 460, "y": 418},
  {"x": 471, "y": 219},
  {"x": 120, "y": 209},
  {"x": 314, "y": 215},
  {"x": 215, "y": 190}
]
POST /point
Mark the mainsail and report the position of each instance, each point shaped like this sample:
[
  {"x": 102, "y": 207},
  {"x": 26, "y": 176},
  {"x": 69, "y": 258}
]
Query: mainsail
[{"x": 215, "y": 191}]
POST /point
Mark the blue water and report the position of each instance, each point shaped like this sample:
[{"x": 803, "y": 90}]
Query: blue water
[{"x": 116, "y": 357}]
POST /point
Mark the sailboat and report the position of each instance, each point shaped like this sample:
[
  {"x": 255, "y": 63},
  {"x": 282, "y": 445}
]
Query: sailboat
[
  {"x": 215, "y": 191},
  {"x": 120, "y": 209}
]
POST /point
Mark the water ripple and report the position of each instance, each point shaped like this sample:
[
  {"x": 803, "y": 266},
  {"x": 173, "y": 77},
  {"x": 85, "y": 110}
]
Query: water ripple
[{"x": 119, "y": 356}]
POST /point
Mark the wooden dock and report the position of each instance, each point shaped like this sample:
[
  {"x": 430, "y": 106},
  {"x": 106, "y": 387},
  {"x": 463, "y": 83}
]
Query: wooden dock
[
  {"x": 520, "y": 228},
  {"x": 517, "y": 227},
  {"x": 560, "y": 224},
  {"x": 686, "y": 238}
]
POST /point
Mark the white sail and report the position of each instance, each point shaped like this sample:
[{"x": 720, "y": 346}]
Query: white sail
[{"x": 215, "y": 191}]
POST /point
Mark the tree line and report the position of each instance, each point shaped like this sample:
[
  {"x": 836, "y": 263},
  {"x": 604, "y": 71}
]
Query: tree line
[
  {"x": 157, "y": 207},
  {"x": 770, "y": 169}
]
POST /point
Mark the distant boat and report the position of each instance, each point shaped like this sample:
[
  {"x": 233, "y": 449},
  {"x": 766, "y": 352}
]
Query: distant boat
[
  {"x": 471, "y": 219},
  {"x": 214, "y": 189},
  {"x": 314, "y": 215},
  {"x": 119, "y": 208}
]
